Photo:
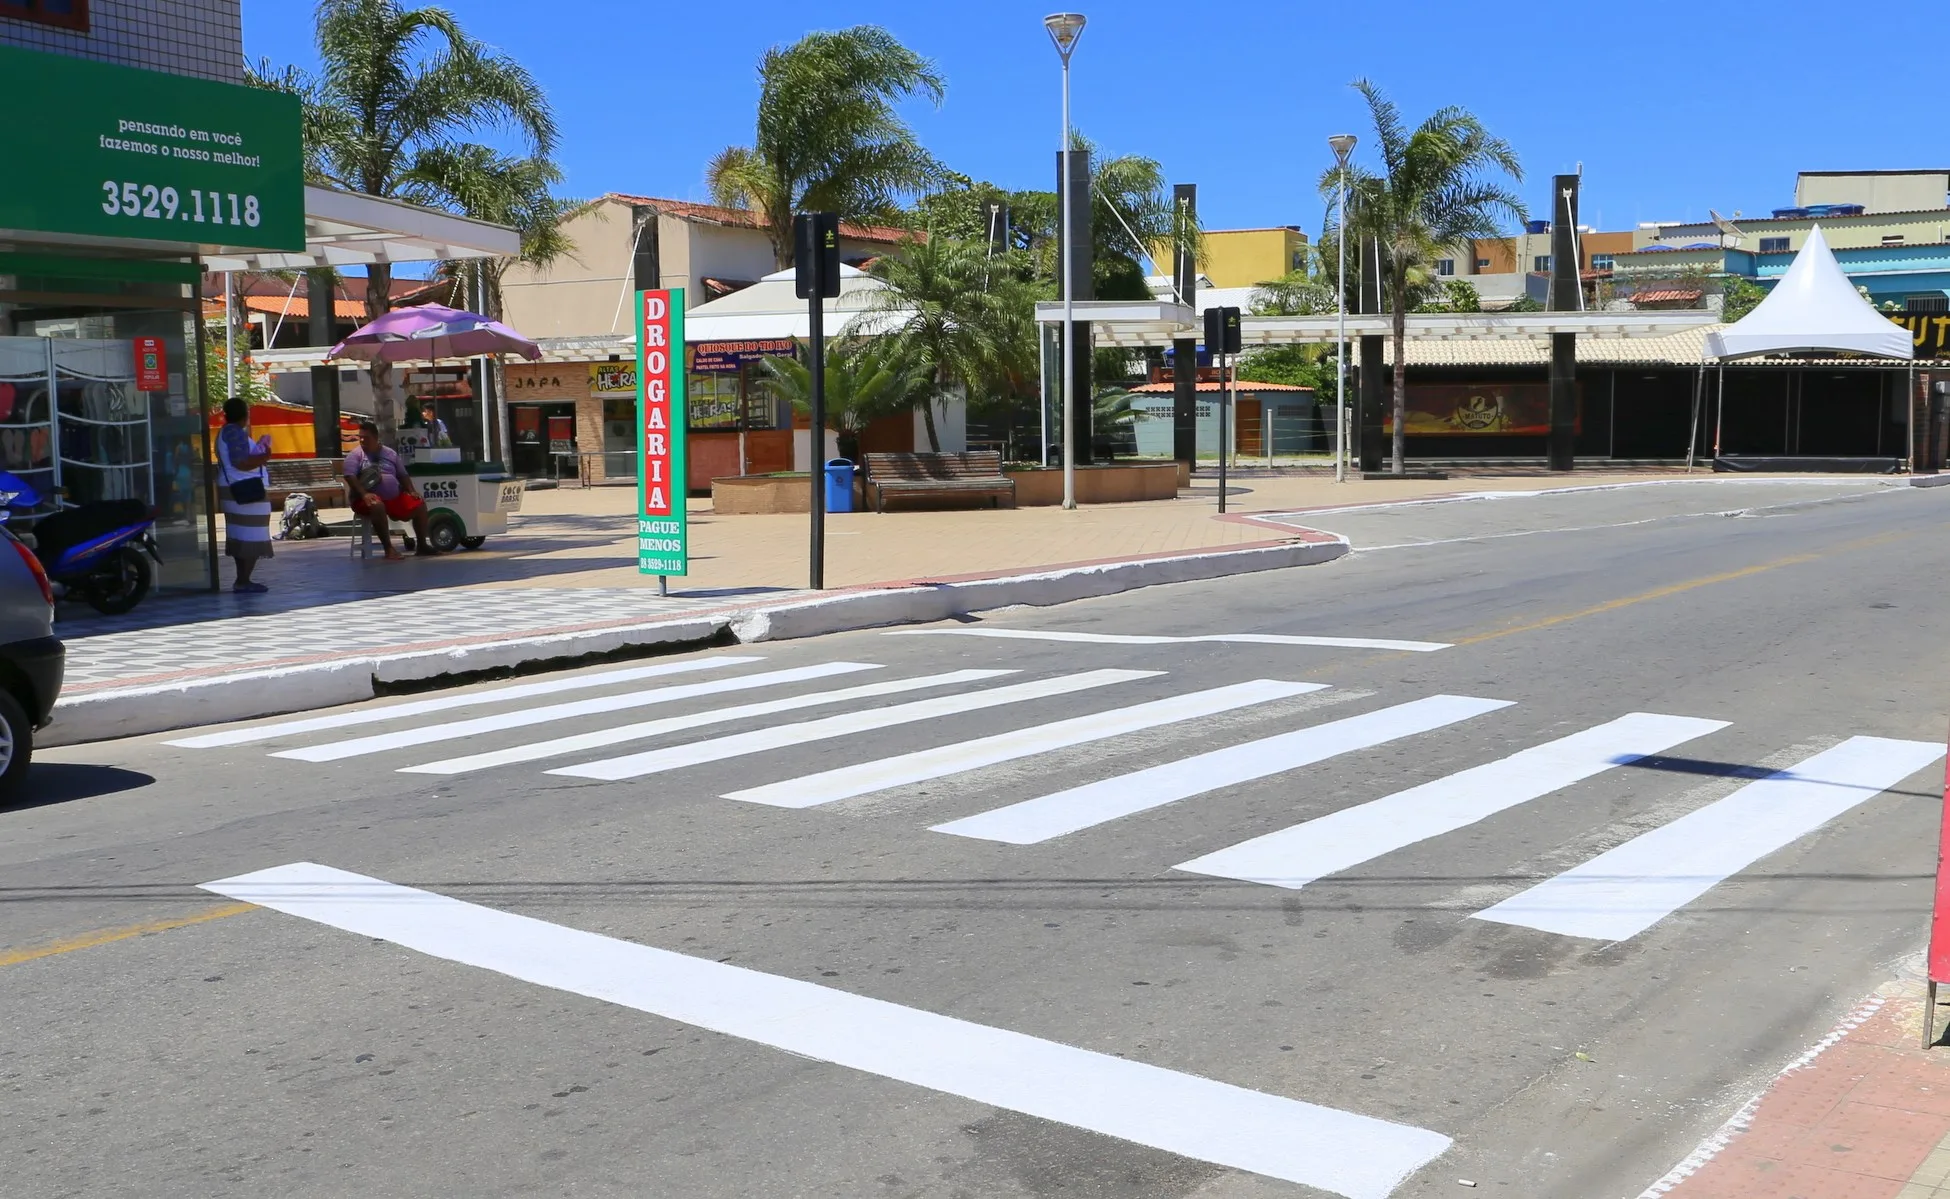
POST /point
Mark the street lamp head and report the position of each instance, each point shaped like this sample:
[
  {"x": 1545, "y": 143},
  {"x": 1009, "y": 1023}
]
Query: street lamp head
[
  {"x": 1064, "y": 29},
  {"x": 1343, "y": 144}
]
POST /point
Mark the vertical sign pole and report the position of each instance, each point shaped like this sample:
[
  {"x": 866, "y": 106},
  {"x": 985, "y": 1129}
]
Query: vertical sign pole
[
  {"x": 1225, "y": 405},
  {"x": 816, "y": 310},
  {"x": 662, "y": 531}
]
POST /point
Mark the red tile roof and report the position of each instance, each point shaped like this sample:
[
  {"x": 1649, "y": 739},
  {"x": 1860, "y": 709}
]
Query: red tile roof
[
  {"x": 744, "y": 218},
  {"x": 1671, "y": 295}
]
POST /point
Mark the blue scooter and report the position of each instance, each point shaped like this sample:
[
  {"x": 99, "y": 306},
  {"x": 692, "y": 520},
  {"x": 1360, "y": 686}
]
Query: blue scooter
[{"x": 104, "y": 552}]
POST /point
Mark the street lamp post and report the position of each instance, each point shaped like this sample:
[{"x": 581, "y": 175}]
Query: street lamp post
[
  {"x": 1064, "y": 30},
  {"x": 1343, "y": 144}
]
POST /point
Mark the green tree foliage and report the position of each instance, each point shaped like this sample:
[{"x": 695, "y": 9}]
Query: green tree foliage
[
  {"x": 866, "y": 379},
  {"x": 946, "y": 305},
  {"x": 829, "y": 138},
  {"x": 398, "y": 95},
  {"x": 1739, "y": 297},
  {"x": 1132, "y": 215},
  {"x": 1294, "y": 365},
  {"x": 1452, "y": 295},
  {"x": 1436, "y": 188}
]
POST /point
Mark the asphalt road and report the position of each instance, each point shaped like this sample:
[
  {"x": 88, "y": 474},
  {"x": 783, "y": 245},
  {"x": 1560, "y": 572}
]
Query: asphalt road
[{"x": 811, "y": 990}]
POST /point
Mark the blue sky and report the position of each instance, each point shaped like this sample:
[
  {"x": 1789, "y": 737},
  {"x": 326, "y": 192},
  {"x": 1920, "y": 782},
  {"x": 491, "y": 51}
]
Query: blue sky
[{"x": 1671, "y": 108}]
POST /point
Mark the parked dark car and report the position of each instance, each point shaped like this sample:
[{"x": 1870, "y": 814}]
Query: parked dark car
[{"x": 31, "y": 660}]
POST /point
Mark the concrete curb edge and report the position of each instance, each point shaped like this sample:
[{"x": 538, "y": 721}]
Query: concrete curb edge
[{"x": 248, "y": 695}]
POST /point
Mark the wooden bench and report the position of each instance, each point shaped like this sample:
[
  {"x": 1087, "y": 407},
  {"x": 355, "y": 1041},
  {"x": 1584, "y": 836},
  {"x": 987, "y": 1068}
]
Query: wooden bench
[
  {"x": 319, "y": 478},
  {"x": 976, "y": 472}
]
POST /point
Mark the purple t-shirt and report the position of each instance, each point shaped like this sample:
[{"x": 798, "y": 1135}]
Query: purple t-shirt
[{"x": 391, "y": 471}]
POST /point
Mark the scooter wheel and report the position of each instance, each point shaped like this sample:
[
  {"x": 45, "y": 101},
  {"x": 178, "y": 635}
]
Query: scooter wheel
[{"x": 121, "y": 585}]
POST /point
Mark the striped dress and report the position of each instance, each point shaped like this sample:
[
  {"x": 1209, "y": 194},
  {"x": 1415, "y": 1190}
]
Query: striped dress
[{"x": 247, "y": 527}]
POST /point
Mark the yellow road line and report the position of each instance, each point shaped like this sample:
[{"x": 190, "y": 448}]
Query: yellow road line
[
  {"x": 1676, "y": 588},
  {"x": 108, "y": 936}
]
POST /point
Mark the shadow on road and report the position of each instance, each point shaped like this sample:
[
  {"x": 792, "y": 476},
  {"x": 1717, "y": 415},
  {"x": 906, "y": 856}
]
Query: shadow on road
[{"x": 61, "y": 782}]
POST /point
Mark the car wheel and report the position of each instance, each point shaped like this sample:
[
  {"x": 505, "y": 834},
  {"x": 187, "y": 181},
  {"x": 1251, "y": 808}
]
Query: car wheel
[
  {"x": 122, "y": 586},
  {"x": 444, "y": 532},
  {"x": 16, "y": 749}
]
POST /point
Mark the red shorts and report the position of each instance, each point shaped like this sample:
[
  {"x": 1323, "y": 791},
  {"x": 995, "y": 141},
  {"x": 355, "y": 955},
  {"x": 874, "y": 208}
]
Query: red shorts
[{"x": 400, "y": 507}]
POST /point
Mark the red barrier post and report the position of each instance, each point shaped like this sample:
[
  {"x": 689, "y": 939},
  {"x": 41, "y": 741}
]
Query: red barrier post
[{"x": 1939, "y": 963}]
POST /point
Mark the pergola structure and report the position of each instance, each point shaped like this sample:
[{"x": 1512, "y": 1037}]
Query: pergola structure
[
  {"x": 1139, "y": 324},
  {"x": 349, "y": 229}
]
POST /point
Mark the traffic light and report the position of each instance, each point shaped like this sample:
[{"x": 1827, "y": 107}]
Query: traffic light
[
  {"x": 1222, "y": 330},
  {"x": 816, "y": 254}
]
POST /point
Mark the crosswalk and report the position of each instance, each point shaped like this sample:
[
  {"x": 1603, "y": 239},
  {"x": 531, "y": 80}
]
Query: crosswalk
[{"x": 1224, "y": 738}]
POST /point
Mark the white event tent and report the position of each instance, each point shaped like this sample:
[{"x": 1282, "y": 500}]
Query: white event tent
[
  {"x": 1813, "y": 307},
  {"x": 770, "y": 309}
]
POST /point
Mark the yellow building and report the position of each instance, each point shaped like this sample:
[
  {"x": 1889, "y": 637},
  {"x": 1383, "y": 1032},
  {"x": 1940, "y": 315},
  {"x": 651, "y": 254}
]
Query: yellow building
[{"x": 1243, "y": 257}]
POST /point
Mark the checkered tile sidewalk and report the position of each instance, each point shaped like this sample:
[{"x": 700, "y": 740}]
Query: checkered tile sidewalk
[{"x": 399, "y": 623}]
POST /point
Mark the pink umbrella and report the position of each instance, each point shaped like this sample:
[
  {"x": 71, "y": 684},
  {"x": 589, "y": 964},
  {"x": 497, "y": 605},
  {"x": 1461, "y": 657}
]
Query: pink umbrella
[{"x": 432, "y": 332}]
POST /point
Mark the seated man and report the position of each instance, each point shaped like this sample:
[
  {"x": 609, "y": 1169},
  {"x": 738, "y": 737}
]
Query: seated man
[{"x": 381, "y": 488}]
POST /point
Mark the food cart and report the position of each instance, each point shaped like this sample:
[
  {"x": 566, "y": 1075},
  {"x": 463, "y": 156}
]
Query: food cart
[{"x": 466, "y": 501}]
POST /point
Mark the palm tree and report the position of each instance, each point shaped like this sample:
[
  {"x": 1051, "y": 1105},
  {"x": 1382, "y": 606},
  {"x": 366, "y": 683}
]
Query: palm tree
[
  {"x": 397, "y": 93},
  {"x": 945, "y": 305},
  {"x": 866, "y": 379},
  {"x": 1435, "y": 191},
  {"x": 828, "y": 138},
  {"x": 503, "y": 190}
]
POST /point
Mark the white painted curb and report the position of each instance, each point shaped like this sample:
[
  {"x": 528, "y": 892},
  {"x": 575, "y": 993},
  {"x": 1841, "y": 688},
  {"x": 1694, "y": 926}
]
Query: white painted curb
[
  {"x": 135, "y": 711},
  {"x": 919, "y": 604}
]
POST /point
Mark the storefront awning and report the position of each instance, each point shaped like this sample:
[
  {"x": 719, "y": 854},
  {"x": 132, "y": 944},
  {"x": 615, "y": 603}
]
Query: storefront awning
[{"x": 348, "y": 229}]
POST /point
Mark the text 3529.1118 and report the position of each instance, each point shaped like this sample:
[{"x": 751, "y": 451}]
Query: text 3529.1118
[{"x": 165, "y": 204}]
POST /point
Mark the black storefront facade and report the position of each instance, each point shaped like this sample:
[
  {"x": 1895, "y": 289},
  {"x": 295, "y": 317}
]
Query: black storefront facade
[{"x": 1781, "y": 414}]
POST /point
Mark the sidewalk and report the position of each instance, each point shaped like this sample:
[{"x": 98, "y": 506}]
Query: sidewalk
[
  {"x": 1864, "y": 1114},
  {"x": 563, "y": 584}
]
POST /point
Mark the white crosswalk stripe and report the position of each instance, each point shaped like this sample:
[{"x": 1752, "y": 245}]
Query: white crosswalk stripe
[
  {"x": 1614, "y": 896},
  {"x": 1624, "y": 891},
  {"x": 526, "y": 718},
  {"x": 1048, "y": 816},
  {"x": 825, "y": 787},
  {"x": 644, "y": 730},
  {"x": 1296, "y": 856},
  {"x": 449, "y": 703},
  {"x": 758, "y": 741},
  {"x": 1343, "y": 1152},
  {"x": 1414, "y": 647}
]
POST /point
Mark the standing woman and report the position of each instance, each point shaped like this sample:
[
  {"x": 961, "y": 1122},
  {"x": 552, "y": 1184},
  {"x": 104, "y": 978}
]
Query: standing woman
[{"x": 246, "y": 493}]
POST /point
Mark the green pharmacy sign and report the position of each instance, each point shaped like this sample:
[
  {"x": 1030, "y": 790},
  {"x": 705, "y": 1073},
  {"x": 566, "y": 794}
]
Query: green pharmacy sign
[
  {"x": 662, "y": 532},
  {"x": 108, "y": 151}
]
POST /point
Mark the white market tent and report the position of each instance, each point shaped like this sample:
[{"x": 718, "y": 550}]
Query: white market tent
[
  {"x": 1813, "y": 307},
  {"x": 769, "y": 309}
]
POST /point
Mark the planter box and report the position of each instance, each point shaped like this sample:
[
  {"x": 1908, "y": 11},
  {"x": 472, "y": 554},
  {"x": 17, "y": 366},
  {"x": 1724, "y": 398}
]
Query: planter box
[
  {"x": 751, "y": 495},
  {"x": 757, "y": 495},
  {"x": 1112, "y": 484}
]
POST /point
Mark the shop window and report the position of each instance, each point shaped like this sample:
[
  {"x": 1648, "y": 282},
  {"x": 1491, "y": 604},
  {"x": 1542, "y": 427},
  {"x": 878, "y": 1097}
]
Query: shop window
[
  {"x": 1773, "y": 245},
  {"x": 1482, "y": 264},
  {"x": 1541, "y": 263},
  {"x": 1892, "y": 239},
  {"x": 66, "y": 14},
  {"x": 1445, "y": 266},
  {"x": 713, "y": 401}
]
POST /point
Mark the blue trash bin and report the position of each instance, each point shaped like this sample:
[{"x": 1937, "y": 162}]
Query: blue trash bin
[{"x": 839, "y": 485}]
